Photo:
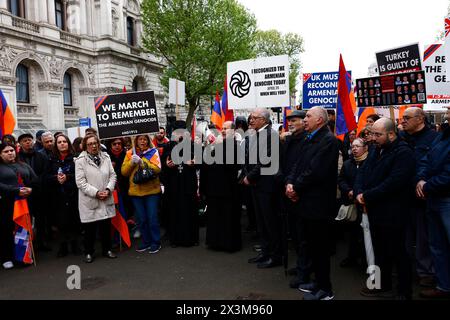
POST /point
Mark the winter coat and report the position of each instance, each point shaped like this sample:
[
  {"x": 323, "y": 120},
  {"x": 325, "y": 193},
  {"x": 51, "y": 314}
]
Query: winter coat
[{"x": 90, "y": 179}]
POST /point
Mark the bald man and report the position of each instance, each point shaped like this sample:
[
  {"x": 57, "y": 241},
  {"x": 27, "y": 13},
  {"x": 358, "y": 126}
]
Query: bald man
[
  {"x": 312, "y": 185},
  {"x": 420, "y": 137},
  {"x": 383, "y": 185}
]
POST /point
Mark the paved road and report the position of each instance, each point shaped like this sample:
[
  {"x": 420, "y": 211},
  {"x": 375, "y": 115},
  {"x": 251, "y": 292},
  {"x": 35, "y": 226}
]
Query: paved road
[{"x": 174, "y": 273}]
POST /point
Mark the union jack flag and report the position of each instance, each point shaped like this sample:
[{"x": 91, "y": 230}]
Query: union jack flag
[{"x": 447, "y": 26}]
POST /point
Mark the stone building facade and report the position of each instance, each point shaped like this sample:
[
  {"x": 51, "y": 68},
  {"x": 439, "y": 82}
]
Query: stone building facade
[{"x": 56, "y": 56}]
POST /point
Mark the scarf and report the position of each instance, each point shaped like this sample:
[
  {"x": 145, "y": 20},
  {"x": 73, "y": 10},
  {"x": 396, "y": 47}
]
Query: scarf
[
  {"x": 95, "y": 158},
  {"x": 362, "y": 157}
]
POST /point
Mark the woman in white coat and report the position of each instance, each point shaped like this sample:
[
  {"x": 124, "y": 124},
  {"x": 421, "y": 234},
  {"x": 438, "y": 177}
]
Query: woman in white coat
[{"x": 95, "y": 178}]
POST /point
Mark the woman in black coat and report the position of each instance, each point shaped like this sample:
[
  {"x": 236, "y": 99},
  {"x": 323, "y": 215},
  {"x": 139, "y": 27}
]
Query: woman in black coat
[
  {"x": 10, "y": 170},
  {"x": 346, "y": 181},
  {"x": 61, "y": 180}
]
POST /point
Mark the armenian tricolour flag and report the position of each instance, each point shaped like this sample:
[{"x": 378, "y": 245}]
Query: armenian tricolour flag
[
  {"x": 24, "y": 231},
  {"x": 119, "y": 221},
  {"x": 7, "y": 121}
]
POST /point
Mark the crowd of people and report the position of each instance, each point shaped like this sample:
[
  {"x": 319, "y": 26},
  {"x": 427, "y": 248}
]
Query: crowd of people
[{"x": 399, "y": 176}]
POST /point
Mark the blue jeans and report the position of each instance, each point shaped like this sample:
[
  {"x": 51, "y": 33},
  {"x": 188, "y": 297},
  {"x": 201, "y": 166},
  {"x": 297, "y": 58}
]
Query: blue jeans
[
  {"x": 438, "y": 215},
  {"x": 147, "y": 210}
]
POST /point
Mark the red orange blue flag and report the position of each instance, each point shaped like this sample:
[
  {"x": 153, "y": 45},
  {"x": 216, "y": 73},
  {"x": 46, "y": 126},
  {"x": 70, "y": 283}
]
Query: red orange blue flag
[
  {"x": 346, "y": 104},
  {"x": 7, "y": 121},
  {"x": 286, "y": 112},
  {"x": 227, "y": 114},
  {"x": 119, "y": 221},
  {"x": 216, "y": 116}
]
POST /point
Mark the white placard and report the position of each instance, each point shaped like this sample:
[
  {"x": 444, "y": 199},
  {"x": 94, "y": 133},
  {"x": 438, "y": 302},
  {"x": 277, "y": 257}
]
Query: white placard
[
  {"x": 177, "y": 94},
  {"x": 76, "y": 132},
  {"x": 438, "y": 89},
  {"x": 262, "y": 82}
]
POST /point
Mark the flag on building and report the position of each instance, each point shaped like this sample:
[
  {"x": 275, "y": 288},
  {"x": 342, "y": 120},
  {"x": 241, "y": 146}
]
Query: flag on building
[
  {"x": 346, "y": 104},
  {"x": 119, "y": 221},
  {"x": 7, "y": 121},
  {"x": 216, "y": 116}
]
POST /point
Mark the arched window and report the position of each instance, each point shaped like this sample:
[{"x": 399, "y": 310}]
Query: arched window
[
  {"x": 17, "y": 7},
  {"x": 134, "y": 85},
  {"x": 130, "y": 31},
  {"x": 22, "y": 84},
  {"x": 67, "y": 89}
]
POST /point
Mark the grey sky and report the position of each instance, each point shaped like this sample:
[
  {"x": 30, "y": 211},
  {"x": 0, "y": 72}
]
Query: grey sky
[{"x": 355, "y": 28}]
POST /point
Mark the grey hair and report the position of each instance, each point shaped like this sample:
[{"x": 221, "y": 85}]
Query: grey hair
[
  {"x": 264, "y": 113},
  {"x": 47, "y": 134},
  {"x": 322, "y": 113}
]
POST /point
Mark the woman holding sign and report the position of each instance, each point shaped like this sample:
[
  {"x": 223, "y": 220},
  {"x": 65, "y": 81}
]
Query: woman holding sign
[{"x": 142, "y": 166}]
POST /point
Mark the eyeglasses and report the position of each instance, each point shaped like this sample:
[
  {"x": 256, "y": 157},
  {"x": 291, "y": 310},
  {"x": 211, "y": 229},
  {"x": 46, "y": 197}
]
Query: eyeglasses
[
  {"x": 117, "y": 144},
  {"x": 92, "y": 144},
  {"x": 254, "y": 118},
  {"x": 356, "y": 146},
  {"x": 407, "y": 118}
]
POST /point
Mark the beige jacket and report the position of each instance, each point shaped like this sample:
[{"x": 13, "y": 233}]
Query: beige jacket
[{"x": 90, "y": 179}]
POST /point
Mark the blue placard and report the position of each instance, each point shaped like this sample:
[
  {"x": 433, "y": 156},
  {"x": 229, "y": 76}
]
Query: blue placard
[
  {"x": 320, "y": 89},
  {"x": 85, "y": 122}
]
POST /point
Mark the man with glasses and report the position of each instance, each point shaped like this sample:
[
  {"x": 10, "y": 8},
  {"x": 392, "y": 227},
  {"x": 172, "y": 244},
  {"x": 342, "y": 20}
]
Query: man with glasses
[
  {"x": 263, "y": 188},
  {"x": 420, "y": 137},
  {"x": 383, "y": 186}
]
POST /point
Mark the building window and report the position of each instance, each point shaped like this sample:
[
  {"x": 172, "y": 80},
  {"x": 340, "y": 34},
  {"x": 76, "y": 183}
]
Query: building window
[
  {"x": 60, "y": 14},
  {"x": 17, "y": 7},
  {"x": 22, "y": 84},
  {"x": 134, "y": 85},
  {"x": 130, "y": 31},
  {"x": 67, "y": 89}
]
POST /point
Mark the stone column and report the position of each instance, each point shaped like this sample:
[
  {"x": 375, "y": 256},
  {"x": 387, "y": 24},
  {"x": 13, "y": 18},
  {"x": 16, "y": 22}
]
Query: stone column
[
  {"x": 3, "y": 4},
  {"x": 43, "y": 11},
  {"x": 51, "y": 12},
  {"x": 83, "y": 17},
  {"x": 105, "y": 18}
]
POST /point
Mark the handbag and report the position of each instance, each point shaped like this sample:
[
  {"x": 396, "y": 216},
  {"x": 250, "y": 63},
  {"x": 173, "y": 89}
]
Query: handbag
[
  {"x": 144, "y": 174},
  {"x": 348, "y": 213}
]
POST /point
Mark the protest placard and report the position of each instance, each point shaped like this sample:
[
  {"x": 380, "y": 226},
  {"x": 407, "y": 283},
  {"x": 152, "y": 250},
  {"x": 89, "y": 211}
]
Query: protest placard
[
  {"x": 399, "y": 60},
  {"x": 126, "y": 114},
  {"x": 262, "y": 82},
  {"x": 320, "y": 89},
  {"x": 438, "y": 89},
  {"x": 400, "y": 89}
]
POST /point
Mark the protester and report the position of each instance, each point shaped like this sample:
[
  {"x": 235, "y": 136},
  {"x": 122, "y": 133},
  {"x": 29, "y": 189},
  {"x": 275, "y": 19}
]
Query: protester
[
  {"x": 346, "y": 181},
  {"x": 433, "y": 184},
  {"x": 77, "y": 146},
  {"x": 160, "y": 141},
  {"x": 420, "y": 137},
  {"x": 181, "y": 192},
  {"x": 219, "y": 184},
  {"x": 47, "y": 141},
  {"x": 95, "y": 179},
  {"x": 382, "y": 186},
  {"x": 291, "y": 151},
  {"x": 38, "y": 209},
  {"x": 263, "y": 190},
  {"x": 62, "y": 185},
  {"x": 38, "y": 146},
  {"x": 145, "y": 195},
  {"x": 371, "y": 118},
  {"x": 10, "y": 171},
  {"x": 312, "y": 183}
]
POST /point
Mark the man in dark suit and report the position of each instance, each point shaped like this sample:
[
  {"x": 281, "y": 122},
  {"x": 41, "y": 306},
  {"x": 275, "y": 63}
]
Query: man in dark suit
[
  {"x": 257, "y": 174},
  {"x": 383, "y": 185},
  {"x": 312, "y": 183}
]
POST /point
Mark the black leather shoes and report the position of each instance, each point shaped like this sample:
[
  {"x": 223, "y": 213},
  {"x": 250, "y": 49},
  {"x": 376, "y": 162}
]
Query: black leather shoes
[
  {"x": 269, "y": 263},
  {"x": 89, "y": 258},
  {"x": 259, "y": 258},
  {"x": 110, "y": 255}
]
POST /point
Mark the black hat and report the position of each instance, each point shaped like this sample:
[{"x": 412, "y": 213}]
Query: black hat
[
  {"x": 39, "y": 133},
  {"x": 179, "y": 124},
  {"x": 297, "y": 114},
  {"x": 25, "y": 135}
]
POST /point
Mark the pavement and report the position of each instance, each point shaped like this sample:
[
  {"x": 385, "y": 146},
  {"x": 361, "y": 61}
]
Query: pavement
[{"x": 194, "y": 273}]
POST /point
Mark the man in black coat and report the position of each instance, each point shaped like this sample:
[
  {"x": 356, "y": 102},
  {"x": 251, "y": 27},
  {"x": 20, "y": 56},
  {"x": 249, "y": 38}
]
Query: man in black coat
[
  {"x": 420, "y": 137},
  {"x": 312, "y": 183},
  {"x": 263, "y": 187},
  {"x": 383, "y": 186},
  {"x": 291, "y": 151},
  {"x": 39, "y": 163}
]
